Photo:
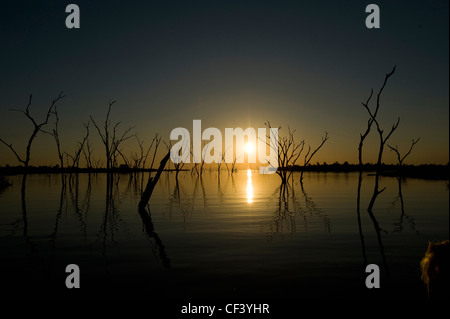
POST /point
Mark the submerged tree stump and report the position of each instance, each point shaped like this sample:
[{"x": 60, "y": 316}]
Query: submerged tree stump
[{"x": 151, "y": 183}]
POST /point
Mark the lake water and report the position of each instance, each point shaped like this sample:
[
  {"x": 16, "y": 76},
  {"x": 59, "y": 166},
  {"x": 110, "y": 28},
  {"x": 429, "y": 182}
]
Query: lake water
[{"x": 240, "y": 236}]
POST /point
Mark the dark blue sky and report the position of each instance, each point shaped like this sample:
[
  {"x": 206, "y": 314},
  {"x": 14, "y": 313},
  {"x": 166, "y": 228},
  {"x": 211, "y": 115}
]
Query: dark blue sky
[{"x": 303, "y": 64}]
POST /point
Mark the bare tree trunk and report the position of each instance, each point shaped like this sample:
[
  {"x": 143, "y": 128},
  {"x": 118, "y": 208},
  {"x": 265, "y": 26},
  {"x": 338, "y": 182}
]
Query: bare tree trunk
[
  {"x": 151, "y": 183},
  {"x": 364, "y": 135},
  {"x": 383, "y": 139},
  {"x": 376, "y": 190},
  {"x": 55, "y": 134},
  {"x": 87, "y": 152}
]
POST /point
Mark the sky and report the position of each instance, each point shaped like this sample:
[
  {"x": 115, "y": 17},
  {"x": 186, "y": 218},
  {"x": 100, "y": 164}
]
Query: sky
[{"x": 304, "y": 65}]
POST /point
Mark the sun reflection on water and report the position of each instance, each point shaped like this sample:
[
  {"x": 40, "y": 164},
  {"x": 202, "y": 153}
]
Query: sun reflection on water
[{"x": 249, "y": 187}]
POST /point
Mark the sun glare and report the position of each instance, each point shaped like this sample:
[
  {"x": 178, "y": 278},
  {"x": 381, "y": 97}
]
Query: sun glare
[{"x": 249, "y": 148}]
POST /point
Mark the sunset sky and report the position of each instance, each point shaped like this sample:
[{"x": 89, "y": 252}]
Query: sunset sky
[{"x": 306, "y": 65}]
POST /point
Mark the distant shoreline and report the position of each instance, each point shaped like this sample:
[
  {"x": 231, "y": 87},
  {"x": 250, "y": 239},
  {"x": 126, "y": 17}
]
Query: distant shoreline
[{"x": 425, "y": 171}]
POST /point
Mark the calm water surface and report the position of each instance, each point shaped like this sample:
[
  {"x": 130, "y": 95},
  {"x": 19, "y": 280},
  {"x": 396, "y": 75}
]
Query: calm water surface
[{"x": 240, "y": 236}]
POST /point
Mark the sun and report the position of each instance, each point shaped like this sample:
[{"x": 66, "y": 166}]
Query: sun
[{"x": 249, "y": 148}]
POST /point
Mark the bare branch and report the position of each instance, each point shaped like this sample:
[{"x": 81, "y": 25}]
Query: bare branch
[
  {"x": 36, "y": 129},
  {"x": 401, "y": 159},
  {"x": 13, "y": 150},
  {"x": 324, "y": 139},
  {"x": 108, "y": 137},
  {"x": 386, "y": 78},
  {"x": 76, "y": 157},
  {"x": 373, "y": 119},
  {"x": 308, "y": 159}
]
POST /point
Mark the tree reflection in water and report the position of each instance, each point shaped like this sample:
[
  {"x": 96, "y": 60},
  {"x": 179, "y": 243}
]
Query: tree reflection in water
[{"x": 290, "y": 208}]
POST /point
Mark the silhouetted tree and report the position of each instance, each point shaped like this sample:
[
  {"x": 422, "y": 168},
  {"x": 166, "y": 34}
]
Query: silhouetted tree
[
  {"x": 125, "y": 159},
  {"x": 88, "y": 157},
  {"x": 151, "y": 183},
  {"x": 376, "y": 191},
  {"x": 383, "y": 139},
  {"x": 139, "y": 158},
  {"x": 373, "y": 116},
  {"x": 309, "y": 155},
  {"x": 156, "y": 141},
  {"x": 55, "y": 135},
  {"x": 233, "y": 166},
  {"x": 76, "y": 157},
  {"x": 288, "y": 152},
  {"x": 110, "y": 138},
  {"x": 222, "y": 160},
  {"x": 195, "y": 166},
  {"x": 36, "y": 128},
  {"x": 399, "y": 157}
]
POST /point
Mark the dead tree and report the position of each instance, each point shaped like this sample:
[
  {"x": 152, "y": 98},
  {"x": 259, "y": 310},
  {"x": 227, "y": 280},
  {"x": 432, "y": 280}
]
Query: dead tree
[
  {"x": 178, "y": 167},
  {"x": 233, "y": 166},
  {"x": 36, "y": 128},
  {"x": 366, "y": 133},
  {"x": 110, "y": 138},
  {"x": 125, "y": 159},
  {"x": 155, "y": 141},
  {"x": 138, "y": 158},
  {"x": 195, "y": 166},
  {"x": 76, "y": 157},
  {"x": 145, "y": 198},
  {"x": 202, "y": 161},
  {"x": 87, "y": 152},
  {"x": 288, "y": 153},
  {"x": 372, "y": 118},
  {"x": 222, "y": 160},
  {"x": 105, "y": 135},
  {"x": 383, "y": 139},
  {"x": 115, "y": 143},
  {"x": 370, "y": 121},
  {"x": 400, "y": 173},
  {"x": 309, "y": 155},
  {"x": 151, "y": 183},
  {"x": 55, "y": 135},
  {"x": 397, "y": 152}
]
